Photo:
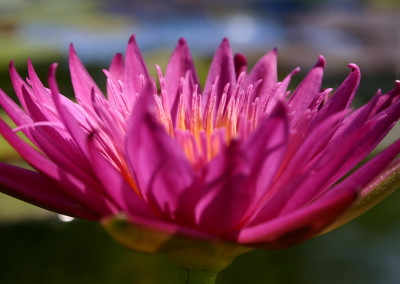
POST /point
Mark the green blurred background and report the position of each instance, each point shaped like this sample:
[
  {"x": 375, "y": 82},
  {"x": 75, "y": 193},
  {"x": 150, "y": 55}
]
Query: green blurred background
[{"x": 36, "y": 246}]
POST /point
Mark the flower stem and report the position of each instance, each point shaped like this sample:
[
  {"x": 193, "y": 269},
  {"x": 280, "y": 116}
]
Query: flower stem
[{"x": 189, "y": 276}]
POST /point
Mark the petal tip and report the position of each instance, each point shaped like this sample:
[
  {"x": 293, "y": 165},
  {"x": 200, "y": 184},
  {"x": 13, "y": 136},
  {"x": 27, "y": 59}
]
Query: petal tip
[
  {"x": 181, "y": 41},
  {"x": 132, "y": 39},
  {"x": 354, "y": 67},
  {"x": 321, "y": 62}
]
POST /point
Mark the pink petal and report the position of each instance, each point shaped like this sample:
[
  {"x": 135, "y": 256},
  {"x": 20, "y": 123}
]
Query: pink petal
[
  {"x": 18, "y": 83},
  {"x": 179, "y": 65},
  {"x": 343, "y": 96},
  {"x": 82, "y": 82},
  {"x": 76, "y": 189},
  {"x": 240, "y": 62},
  {"x": 117, "y": 67},
  {"x": 367, "y": 172},
  {"x": 265, "y": 69},
  {"x": 69, "y": 120},
  {"x": 306, "y": 92},
  {"x": 222, "y": 67},
  {"x": 297, "y": 226},
  {"x": 31, "y": 187},
  {"x": 223, "y": 200},
  {"x": 161, "y": 170},
  {"x": 134, "y": 69},
  {"x": 266, "y": 152},
  {"x": 114, "y": 185}
]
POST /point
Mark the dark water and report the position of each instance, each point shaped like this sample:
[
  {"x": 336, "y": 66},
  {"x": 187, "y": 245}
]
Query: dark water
[{"x": 364, "y": 251}]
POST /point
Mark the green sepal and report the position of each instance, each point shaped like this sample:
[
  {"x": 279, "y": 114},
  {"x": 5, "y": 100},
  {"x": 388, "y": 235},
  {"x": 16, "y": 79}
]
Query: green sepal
[
  {"x": 189, "y": 253},
  {"x": 380, "y": 188}
]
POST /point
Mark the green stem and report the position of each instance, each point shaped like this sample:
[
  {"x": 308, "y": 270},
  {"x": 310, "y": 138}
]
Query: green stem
[{"x": 189, "y": 276}]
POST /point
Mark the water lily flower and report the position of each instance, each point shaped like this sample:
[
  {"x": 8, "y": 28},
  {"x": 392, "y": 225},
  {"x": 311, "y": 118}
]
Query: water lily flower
[{"x": 201, "y": 174}]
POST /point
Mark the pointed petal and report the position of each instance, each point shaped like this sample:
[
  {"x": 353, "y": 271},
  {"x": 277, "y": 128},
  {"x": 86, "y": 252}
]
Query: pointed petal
[
  {"x": 179, "y": 65},
  {"x": 162, "y": 171},
  {"x": 265, "y": 69},
  {"x": 67, "y": 118},
  {"x": 115, "y": 186},
  {"x": 375, "y": 180},
  {"x": 223, "y": 200},
  {"x": 117, "y": 67},
  {"x": 306, "y": 92},
  {"x": 82, "y": 82},
  {"x": 222, "y": 67},
  {"x": 297, "y": 226},
  {"x": 240, "y": 62},
  {"x": 73, "y": 187},
  {"x": 31, "y": 187},
  {"x": 17, "y": 115},
  {"x": 134, "y": 69},
  {"x": 18, "y": 83},
  {"x": 343, "y": 96},
  {"x": 266, "y": 151}
]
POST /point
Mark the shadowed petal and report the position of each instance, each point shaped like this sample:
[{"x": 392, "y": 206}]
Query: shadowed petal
[
  {"x": 31, "y": 187},
  {"x": 375, "y": 180},
  {"x": 162, "y": 172},
  {"x": 115, "y": 185},
  {"x": 297, "y": 226},
  {"x": 240, "y": 62},
  {"x": 223, "y": 200},
  {"x": 266, "y": 152}
]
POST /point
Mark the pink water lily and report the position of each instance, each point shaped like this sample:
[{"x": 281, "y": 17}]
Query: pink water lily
[{"x": 241, "y": 161}]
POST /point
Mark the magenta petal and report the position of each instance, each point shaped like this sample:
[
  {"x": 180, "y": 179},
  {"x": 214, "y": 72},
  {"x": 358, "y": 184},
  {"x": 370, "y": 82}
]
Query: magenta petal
[
  {"x": 387, "y": 99},
  {"x": 306, "y": 92},
  {"x": 297, "y": 226},
  {"x": 73, "y": 187},
  {"x": 179, "y": 65},
  {"x": 82, "y": 82},
  {"x": 323, "y": 171},
  {"x": 114, "y": 185},
  {"x": 266, "y": 152},
  {"x": 31, "y": 187},
  {"x": 69, "y": 120},
  {"x": 303, "y": 187},
  {"x": 222, "y": 67},
  {"x": 135, "y": 68},
  {"x": 117, "y": 67},
  {"x": 265, "y": 69},
  {"x": 15, "y": 113},
  {"x": 240, "y": 62},
  {"x": 55, "y": 143},
  {"x": 223, "y": 200},
  {"x": 41, "y": 94},
  {"x": 367, "y": 172},
  {"x": 18, "y": 83},
  {"x": 343, "y": 96},
  {"x": 381, "y": 124},
  {"x": 162, "y": 171}
]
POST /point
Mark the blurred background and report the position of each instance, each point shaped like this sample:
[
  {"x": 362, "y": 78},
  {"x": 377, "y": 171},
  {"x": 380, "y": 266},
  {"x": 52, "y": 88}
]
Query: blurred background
[{"x": 37, "y": 246}]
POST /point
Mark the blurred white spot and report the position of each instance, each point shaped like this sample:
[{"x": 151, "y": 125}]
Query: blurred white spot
[
  {"x": 241, "y": 28},
  {"x": 65, "y": 218}
]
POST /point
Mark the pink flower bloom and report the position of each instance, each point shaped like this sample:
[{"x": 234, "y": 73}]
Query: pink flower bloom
[{"x": 242, "y": 160}]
